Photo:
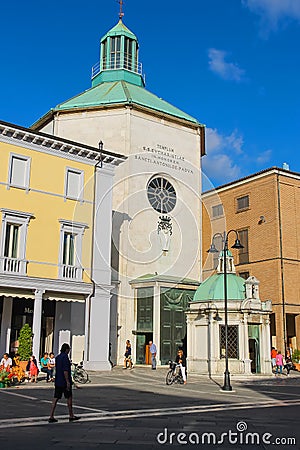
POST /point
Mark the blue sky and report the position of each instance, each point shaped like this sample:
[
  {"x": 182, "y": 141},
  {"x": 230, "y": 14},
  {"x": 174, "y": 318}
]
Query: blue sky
[{"x": 234, "y": 65}]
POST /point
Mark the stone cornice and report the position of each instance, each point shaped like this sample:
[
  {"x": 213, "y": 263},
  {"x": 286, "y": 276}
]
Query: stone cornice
[
  {"x": 47, "y": 284},
  {"x": 250, "y": 178},
  {"x": 54, "y": 145}
]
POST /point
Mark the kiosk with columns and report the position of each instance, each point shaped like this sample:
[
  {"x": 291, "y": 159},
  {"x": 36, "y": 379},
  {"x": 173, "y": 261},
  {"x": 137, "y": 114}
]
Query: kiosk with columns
[{"x": 249, "y": 344}]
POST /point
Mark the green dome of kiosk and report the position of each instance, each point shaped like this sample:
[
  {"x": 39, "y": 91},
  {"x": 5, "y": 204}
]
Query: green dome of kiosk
[{"x": 213, "y": 288}]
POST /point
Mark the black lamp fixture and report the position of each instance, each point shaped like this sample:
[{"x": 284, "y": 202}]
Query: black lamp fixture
[
  {"x": 238, "y": 245},
  {"x": 100, "y": 146}
]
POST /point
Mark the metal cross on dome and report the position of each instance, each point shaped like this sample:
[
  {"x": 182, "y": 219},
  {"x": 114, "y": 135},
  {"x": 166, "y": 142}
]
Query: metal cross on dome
[{"x": 121, "y": 14}]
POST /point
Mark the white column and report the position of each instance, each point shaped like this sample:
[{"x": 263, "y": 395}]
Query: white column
[
  {"x": 101, "y": 271},
  {"x": 190, "y": 340},
  {"x": 37, "y": 321},
  {"x": 97, "y": 323},
  {"x": 96, "y": 356},
  {"x": 215, "y": 346},
  {"x": 6, "y": 325},
  {"x": 265, "y": 347},
  {"x": 246, "y": 346},
  {"x": 156, "y": 320},
  {"x": 210, "y": 350}
]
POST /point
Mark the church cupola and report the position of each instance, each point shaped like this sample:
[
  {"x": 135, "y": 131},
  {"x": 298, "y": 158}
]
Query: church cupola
[{"x": 118, "y": 57}]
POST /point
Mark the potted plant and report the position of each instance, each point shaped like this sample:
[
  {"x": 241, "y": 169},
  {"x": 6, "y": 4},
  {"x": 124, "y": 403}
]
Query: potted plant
[
  {"x": 25, "y": 345},
  {"x": 296, "y": 358}
]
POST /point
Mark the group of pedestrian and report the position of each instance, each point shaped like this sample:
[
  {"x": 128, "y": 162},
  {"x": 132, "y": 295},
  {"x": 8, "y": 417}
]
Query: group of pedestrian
[
  {"x": 180, "y": 358},
  {"x": 47, "y": 365},
  {"x": 279, "y": 362}
]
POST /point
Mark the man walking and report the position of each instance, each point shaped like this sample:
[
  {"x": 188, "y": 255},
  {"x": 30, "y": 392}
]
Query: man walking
[
  {"x": 63, "y": 383},
  {"x": 153, "y": 351}
]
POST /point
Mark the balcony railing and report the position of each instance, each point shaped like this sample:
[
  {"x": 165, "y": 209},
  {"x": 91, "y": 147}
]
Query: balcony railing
[
  {"x": 115, "y": 63},
  {"x": 13, "y": 265},
  {"x": 70, "y": 272}
]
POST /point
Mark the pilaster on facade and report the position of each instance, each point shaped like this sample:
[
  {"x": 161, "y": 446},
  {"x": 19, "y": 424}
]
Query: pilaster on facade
[{"x": 37, "y": 321}]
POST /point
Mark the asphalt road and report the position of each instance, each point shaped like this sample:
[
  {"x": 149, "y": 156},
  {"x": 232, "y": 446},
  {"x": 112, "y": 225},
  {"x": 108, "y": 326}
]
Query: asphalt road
[{"x": 135, "y": 409}]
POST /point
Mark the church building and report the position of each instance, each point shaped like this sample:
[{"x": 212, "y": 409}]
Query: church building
[{"x": 156, "y": 237}]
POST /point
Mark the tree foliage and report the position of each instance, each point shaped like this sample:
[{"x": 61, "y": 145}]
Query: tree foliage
[{"x": 25, "y": 342}]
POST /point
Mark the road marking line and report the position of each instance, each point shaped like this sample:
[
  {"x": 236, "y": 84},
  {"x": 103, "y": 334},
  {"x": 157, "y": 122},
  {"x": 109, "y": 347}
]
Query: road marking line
[
  {"x": 118, "y": 415},
  {"x": 18, "y": 395},
  {"x": 50, "y": 401},
  {"x": 76, "y": 406}
]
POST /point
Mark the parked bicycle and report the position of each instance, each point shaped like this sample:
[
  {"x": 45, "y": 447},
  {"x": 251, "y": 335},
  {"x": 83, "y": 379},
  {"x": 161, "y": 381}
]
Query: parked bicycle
[
  {"x": 174, "y": 374},
  {"x": 79, "y": 375}
]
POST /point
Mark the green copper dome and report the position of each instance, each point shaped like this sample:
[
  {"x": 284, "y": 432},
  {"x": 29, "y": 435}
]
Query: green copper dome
[
  {"x": 119, "y": 29},
  {"x": 122, "y": 92},
  {"x": 117, "y": 79},
  {"x": 213, "y": 288}
]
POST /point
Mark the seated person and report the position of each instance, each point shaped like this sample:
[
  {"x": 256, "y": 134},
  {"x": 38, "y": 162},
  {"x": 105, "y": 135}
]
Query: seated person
[
  {"x": 52, "y": 363},
  {"x": 32, "y": 369},
  {"x": 6, "y": 362},
  {"x": 45, "y": 367}
]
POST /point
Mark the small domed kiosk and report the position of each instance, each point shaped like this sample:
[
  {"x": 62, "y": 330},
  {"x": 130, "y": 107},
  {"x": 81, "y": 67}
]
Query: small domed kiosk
[{"x": 249, "y": 344}]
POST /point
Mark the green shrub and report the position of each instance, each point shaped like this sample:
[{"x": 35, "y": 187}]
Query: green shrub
[
  {"x": 296, "y": 355},
  {"x": 25, "y": 342}
]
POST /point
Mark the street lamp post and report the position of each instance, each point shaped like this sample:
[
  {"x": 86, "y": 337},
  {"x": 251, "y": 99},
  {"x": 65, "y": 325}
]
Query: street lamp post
[{"x": 237, "y": 244}]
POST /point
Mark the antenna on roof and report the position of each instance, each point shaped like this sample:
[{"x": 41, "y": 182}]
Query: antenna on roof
[{"x": 121, "y": 14}]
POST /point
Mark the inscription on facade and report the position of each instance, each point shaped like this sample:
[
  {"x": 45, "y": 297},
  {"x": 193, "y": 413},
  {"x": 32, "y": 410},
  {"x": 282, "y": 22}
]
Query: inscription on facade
[{"x": 164, "y": 156}]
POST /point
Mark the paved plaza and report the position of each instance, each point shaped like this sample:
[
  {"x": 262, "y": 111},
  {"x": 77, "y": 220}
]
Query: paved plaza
[{"x": 135, "y": 409}]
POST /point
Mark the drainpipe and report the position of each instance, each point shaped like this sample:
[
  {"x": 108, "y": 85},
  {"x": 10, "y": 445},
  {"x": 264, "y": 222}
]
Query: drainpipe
[
  {"x": 281, "y": 265},
  {"x": 92, "y": 294}
]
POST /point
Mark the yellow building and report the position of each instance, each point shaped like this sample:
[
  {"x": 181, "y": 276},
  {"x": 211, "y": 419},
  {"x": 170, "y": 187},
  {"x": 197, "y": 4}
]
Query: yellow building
[
  {"x": 51, "y": 189},
  {"x": 264, "y": 209}
]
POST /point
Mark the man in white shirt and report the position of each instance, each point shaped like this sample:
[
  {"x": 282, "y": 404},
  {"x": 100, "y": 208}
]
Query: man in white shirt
[
  {"x": 6, "y": 362},
  {"x": 153, "y": 351}
]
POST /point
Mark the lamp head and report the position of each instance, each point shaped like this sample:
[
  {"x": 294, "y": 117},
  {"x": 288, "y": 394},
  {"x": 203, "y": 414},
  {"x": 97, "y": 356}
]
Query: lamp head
[
  {"x": 237, "y": 244},
  {"x": 217, "y": 318},
  {"x": 212, "y": 249}
]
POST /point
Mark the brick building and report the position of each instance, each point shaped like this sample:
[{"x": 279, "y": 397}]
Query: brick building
[{"x": 264, "y": 209}]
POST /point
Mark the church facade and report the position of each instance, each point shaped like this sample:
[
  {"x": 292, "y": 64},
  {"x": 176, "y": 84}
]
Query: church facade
[{"x": 156, "y": 238}]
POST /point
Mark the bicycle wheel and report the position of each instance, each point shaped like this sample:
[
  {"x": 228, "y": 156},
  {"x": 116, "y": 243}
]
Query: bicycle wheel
[
  {"x": 170, "y": 378},
  {"x": 80, "y": 376}
]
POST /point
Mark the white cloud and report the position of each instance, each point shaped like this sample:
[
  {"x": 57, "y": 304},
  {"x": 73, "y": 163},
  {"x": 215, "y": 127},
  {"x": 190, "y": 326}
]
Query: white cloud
[
  {"x": 226, "y": 70},
  {"x": 216, "y": 141},
  {"x": 228, "y": 160},
  {"x": 273, "y": 11},
  {"x": 220, "y": 164}
]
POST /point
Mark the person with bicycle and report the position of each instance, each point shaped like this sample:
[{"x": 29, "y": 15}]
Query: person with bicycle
[{"x": 181, "y": 361}]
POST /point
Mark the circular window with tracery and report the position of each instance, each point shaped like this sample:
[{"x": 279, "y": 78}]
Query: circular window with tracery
[{"x": 161, "y": 195}]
